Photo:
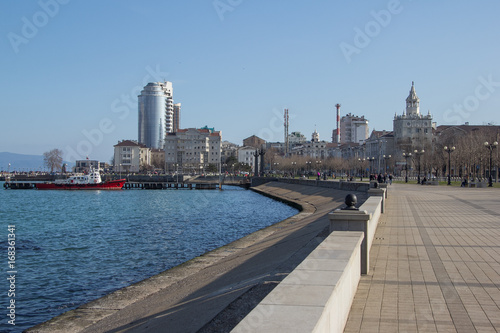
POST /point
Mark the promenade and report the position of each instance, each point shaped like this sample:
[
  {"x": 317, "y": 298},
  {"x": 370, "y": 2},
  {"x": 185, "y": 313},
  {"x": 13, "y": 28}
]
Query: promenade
[{"x": 434, "y": 264}]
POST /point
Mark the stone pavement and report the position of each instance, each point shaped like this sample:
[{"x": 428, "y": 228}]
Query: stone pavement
[{"x": 435, "y": 263}]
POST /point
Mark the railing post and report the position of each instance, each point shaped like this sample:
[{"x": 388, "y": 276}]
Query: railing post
[
  {"x": 353, "y": 219},
  {"x": 378, "y": 192}
]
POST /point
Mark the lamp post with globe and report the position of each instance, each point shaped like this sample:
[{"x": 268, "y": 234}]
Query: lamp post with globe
[
  {"x": 406, "y": 156},
  {"x": 449, "y": 150},
  {"x": 419, "y": 154},
  {"x": 490, "y": 147}
]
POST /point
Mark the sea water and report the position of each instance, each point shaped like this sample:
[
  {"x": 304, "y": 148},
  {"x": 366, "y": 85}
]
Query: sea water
[{"x": 72, "y": 247}]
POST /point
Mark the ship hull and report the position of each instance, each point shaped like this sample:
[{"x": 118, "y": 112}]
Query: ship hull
[{"x": 109, "y": 185}]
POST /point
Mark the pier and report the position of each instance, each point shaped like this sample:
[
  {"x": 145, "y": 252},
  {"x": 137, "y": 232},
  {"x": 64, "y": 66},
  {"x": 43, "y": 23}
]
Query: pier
[{"x": 29, "y": 185}]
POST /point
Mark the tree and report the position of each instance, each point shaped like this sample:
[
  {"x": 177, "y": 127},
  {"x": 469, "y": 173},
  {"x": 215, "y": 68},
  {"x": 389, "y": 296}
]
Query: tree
[
  {"x": 53, "y": 159},
  {"x": 212, "y": 168}
]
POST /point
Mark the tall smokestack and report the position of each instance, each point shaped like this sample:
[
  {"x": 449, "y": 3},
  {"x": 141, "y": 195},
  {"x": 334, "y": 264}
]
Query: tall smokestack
[
  {"x": 337, "y": 135},
  {"x": 286, "y": 131}
]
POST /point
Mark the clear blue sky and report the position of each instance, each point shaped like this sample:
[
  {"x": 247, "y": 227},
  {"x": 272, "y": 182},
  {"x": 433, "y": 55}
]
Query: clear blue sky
[{"x": 77, "y": 67}]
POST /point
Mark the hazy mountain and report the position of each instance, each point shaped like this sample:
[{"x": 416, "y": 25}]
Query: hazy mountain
[{"x": 21, "y": 162}]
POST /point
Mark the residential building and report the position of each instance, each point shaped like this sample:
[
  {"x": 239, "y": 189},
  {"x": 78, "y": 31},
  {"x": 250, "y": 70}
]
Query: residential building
[
  {"x": 192, "y": 149},
  {"x": 131, "y": 156},
  {"x": 378, "y": 147},
  {"x": 246, "y": 155},
  {"x": 278, "y": 147},
  {"x": 177, "y": 117},
  {"x": 296, "y": 138},
  {"x": 158, "y": 158},
  {"x": 449, "y": 134},
  {"x": 353, "y": 129},
  {"x": 228, "y": 149},
  {"x": 254, "y": 141},
  {"x": 84, "y": 165},
  {"x": 156, "y": 113}
]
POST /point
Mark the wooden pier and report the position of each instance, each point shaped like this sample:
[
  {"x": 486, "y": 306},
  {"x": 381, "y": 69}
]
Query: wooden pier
[
  {"x": 21, "y": 185},
  {"x": 170, "y": 186}
]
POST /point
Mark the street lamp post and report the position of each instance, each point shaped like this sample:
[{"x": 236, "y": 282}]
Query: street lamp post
[
  {"x": 318, "y": 168},
  {"x": 308, "y": 168},
  {"x": 360, "y": 169},
  {"x": 386, "y": 158},
  {"x": 371, "y": 161},
  {"x": 406, "y": 156},
  {"x": 419, "y": 154},
  {"x": 490, "y": 147},
  {"x": 449, "y": 150},
  {"x": 293, "y": 168}
]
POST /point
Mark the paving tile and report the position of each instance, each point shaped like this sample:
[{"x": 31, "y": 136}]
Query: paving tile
[{"x": 438, "y": 267}]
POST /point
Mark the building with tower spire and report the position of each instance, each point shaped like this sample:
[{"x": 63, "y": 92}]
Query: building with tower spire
[{"x": 412, "y": 130}]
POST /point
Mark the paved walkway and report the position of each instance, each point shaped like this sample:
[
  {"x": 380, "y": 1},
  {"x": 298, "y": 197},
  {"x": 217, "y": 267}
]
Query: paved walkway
[{"x": 435, "y": 263}]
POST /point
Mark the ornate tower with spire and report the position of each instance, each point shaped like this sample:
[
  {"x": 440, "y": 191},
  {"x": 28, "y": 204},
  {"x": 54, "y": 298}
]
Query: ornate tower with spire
[
  {"x": 412, "y": 130},
  {"x": 412, "y": 102}
]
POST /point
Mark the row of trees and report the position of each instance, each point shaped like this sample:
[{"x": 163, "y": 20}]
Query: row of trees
[
  {"x": 468, "y": 156},
  {"x": 469, "y": 159}
]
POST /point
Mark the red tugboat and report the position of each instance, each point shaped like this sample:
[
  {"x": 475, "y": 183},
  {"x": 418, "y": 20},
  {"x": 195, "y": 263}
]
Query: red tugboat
[{"x": 91, "y": 181}]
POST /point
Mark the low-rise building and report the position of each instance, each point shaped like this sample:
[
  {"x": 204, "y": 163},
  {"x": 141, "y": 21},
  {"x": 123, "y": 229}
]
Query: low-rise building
[
  {"x": 84, "y": 165},
  {"x": 246, "y": 155},
  {"x": 158, "y": 158},
  {"x": 379, "y": 146},
  {"x": 254, "y": 141},
  {"x": 130, "y": 156},
  {"x": 228, "y": 149}
]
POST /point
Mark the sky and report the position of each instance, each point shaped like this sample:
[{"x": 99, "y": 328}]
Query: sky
[{"x": 71, "y": 70}]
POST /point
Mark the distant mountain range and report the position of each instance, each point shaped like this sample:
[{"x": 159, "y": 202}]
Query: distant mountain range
[{"x": 21, "y": 162}]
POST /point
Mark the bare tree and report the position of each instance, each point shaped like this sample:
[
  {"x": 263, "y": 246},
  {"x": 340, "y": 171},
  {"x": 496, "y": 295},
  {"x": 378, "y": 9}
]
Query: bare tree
[{"x": 53, "y": 159}]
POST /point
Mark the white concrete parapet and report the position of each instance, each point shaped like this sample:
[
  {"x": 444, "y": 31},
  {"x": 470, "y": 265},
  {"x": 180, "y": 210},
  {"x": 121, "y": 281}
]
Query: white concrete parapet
[
  {"x": 317, "y": 295},
  {"x": 365, "y": 219},
  {"x": 379, "y": 192}
]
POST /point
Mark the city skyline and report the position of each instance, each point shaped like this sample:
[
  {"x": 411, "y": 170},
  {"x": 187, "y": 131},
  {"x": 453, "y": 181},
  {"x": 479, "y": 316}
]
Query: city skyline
[{"x": 73, "y": 71}]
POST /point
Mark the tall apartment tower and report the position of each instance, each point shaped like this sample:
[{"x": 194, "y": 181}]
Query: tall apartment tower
[
  {"x": 177, "y": 116},
  {"x": 353, "y": 129},
  {"x": 156, "y": 113}
]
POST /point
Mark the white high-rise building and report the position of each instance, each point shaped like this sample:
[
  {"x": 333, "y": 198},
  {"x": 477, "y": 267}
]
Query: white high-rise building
[
  {"x": 156, "y": 113},
  {"x": 353, "y": 129}
]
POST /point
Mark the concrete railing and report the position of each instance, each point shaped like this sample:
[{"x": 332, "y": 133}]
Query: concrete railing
[
  {"x": 365, "y": 219},
  {"x": 335, "y": 184},
  {"x": 317, "y": 295}
]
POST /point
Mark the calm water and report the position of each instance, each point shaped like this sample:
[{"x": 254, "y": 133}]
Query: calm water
[{"x": 76, "y": 246}]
